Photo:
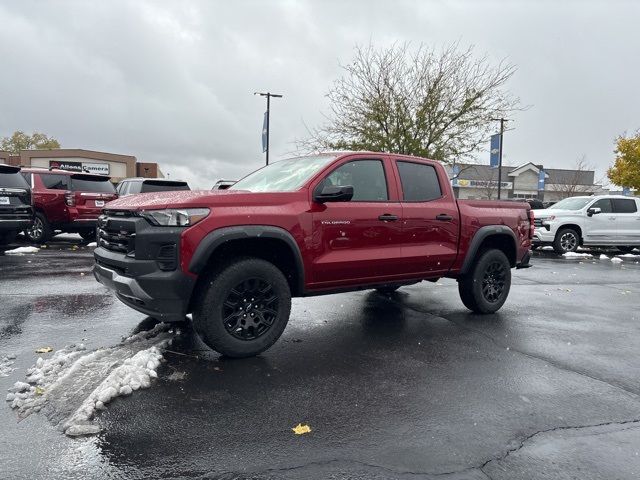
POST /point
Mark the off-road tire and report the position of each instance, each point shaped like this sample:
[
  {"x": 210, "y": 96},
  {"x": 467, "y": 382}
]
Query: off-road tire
[
  {"x": 567, "y": 240},
  {"x": 479, "y": 288},
  {"x": 40, "y": 231},
  {"x": 216, "y": 295}
]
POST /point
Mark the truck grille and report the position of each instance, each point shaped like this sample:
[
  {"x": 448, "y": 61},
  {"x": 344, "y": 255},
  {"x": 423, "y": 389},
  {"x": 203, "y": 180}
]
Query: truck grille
[
  {"x": 116, "y": 234},
  {"x": 537, "y": 223}
]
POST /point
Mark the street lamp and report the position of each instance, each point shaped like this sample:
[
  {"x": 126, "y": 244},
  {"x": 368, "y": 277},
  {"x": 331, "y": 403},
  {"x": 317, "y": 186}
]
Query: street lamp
[{"x": 265, "y": 127}]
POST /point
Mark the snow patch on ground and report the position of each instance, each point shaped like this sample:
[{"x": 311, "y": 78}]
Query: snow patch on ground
[
  {"x": 616, "y": 260},
  {"x": 603, "y": 257},
  {"x": 92, "y": 244},
  {"x": 546, "y": 248},
  {"x": 22, "y": 250},
  {"x": 575, "y": 254},
  {"x": 6, "y": 363},
  {"x": 628, "y": 255},
  {"x": 71, "y": 385}
]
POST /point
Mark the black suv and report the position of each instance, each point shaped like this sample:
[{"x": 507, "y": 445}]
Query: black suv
[
  {"x": 16, "y": 210},
  {"x": 130, "y": 186}
]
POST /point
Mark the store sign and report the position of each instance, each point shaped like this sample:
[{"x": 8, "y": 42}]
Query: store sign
[
  {"x": 95, "y": 168},
  {"x": 64, "y": 165},
  {"x": 484, "y": 184}
]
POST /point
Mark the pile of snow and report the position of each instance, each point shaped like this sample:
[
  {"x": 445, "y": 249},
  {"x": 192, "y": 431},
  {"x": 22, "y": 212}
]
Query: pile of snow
[
  {"x": 628, "y": 255},
  {"x": 6, "y": 363},
  {"x": 575, "y": 254},
  {"x": 547, "y": 247},
  {"x": 603, "y": 257},
  {"x": 616, "y": 260},
  {"x": 22, "y": 251},
  {"x": 73, "y": 383},
  {"x": 92, "y": 244}
]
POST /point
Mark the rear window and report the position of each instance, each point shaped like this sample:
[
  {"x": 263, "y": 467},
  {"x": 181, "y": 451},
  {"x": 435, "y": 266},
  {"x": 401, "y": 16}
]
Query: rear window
[
  {"x": 55, "y": 182},
  {"x": 91, "y": 185},
  {"x": 149, "y": 186},
  {"x": 623, "y": 205},
  {"x": 13, "y": 180},
  {"x": 419, "y": 182}
]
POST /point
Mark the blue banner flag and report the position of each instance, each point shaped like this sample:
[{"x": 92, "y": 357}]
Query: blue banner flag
[
  {"x": 265, "y": 130},
  {"x": 495, "y": 150},
  {"x": 626, "y": 191},
  {"x": 541, "y": 176}
]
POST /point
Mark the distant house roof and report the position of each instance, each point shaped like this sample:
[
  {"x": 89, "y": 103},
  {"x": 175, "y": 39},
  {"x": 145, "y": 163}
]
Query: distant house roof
[
  {"x": 570, "y": 177},
  {"x": 553, "y": 175}
]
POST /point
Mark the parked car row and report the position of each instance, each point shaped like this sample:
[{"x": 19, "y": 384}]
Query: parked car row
[{"x": 43, "y": 202}]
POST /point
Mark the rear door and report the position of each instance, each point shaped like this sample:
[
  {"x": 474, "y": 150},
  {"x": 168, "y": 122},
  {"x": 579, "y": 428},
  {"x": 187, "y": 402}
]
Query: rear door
[
  {"x": 627, "y": 221},
  {"x": 49, "y": 195},
  {"x": 357, "y": 241},
  {"x": 431, "y": 220}
]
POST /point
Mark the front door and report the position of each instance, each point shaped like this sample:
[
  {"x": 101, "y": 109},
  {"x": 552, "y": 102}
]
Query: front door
[
  {"x": 600, "y": 228},
  {"x": 357, "y": 241}
]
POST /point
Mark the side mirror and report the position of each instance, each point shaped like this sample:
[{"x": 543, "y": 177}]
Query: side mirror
[
  {"x": 593, "y": 211},
  {"x": 334, "y": 194}
]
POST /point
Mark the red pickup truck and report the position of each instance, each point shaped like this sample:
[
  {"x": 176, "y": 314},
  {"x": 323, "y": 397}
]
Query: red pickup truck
[{"x": 305, "y": 226}]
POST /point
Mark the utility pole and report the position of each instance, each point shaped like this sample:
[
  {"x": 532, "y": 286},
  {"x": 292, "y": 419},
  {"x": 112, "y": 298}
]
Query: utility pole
[
  {"x": 502, "y": 122},
  {"x": 265, "y": 128}
]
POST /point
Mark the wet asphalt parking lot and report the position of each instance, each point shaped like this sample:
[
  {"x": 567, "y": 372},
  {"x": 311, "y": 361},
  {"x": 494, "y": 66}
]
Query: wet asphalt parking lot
[{"x": 407, "y": 386}]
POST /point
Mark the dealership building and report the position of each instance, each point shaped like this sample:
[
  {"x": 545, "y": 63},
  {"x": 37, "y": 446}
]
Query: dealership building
[
  {"x": 112, "y": 164},
  {"x": 526, "y": 181}
]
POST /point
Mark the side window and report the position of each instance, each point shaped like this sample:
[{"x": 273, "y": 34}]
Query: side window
[
  {"x": 604, "y": 204},
  {"x": 365, "y": 176},
  {"x": 419, "y": 182},
  {"x": 55, "y": 182},
  {"x": 623, "y": 205}
]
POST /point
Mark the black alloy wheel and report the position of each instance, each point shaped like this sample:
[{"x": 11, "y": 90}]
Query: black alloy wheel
[
  {"x": 250, "y": 309},
  {"x": 494, "y": 281}
]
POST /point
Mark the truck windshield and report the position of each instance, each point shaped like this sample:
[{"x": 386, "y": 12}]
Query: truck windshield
[
  {"x": 283, "y": 176},
  {"x": 576, "y": 203}
]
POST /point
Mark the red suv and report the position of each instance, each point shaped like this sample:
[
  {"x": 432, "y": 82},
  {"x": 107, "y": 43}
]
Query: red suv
[{"x": 66, "y": 202}]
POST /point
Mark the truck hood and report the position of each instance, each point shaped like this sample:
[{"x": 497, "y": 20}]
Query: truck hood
[
  {"x": 197, "y": 199},
  {"x": 546, "y": 213}
]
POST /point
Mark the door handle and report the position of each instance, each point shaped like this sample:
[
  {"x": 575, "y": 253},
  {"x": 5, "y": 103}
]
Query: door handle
[
  {"x": 443, "y": 217},
  {"x": 387, "y": 217}
]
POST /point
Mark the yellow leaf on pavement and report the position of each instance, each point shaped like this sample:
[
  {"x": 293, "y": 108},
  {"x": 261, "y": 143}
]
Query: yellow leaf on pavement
[
  {"x": 39, "y": 390},
  {"x": 301, "y": 429},
  {"x": 44, "y": 350}
]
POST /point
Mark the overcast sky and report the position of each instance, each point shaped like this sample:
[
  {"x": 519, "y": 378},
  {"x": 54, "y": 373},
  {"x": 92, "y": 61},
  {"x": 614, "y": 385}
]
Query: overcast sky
[{"x": 172, "y": 82}]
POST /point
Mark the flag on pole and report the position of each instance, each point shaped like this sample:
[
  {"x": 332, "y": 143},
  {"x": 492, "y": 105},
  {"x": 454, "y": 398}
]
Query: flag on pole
[
  {"x": 541, "y": 176},
  {"x": 626, "y": 191},
  {"x": 265, "y": 129},
  {"x": 494, "y": 159}
]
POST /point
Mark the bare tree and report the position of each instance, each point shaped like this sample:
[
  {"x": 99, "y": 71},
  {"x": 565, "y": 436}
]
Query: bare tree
[
  {"x": 414, "y": 101},
  {"x": 577, "y": 181}
]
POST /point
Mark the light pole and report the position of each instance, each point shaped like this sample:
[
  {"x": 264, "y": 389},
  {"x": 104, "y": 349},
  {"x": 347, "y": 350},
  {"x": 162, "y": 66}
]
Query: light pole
[
  {"x": 265, "y": 129},
  {"x": 502, "y": 122}
]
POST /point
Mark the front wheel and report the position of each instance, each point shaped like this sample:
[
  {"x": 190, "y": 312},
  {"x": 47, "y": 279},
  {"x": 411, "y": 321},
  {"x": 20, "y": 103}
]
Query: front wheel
[
  {"x": 243, "y": 309},
  {"x": 567, "y": 240},
  {"x": 486, "y": 287}
]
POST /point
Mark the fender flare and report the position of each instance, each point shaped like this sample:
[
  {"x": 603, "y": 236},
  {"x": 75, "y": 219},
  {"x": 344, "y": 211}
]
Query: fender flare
[
  {"x": 482, "y": 234},
  {"x": 220, "y": 236}
]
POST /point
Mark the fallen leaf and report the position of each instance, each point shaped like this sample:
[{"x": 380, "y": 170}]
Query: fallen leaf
[
  {"x": 39, "y": 390},
  {"x": 301, "y": 429},
  {"x": 44, "y": 350}
]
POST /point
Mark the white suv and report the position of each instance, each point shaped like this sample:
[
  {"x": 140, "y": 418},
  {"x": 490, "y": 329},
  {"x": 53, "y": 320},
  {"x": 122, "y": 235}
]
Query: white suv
[{"x": 602, "y": 220}]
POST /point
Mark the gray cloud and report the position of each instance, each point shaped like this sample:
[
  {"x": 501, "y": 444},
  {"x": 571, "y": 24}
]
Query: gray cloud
[{"x": 172, "y": 81}]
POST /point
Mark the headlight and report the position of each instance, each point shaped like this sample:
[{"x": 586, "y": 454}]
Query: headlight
[
  {"x": 179, "y": 217},
  {"x": 548, "y": 219}
]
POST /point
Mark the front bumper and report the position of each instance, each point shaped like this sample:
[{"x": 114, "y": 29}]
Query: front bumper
[
  {"x": 542, "y": 236},
  {"x": 145, "y": 278}
]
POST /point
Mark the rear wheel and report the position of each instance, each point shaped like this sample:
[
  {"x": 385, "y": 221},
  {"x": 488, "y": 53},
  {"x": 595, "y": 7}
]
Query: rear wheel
[
  {"x": 626, "y": 249},
  {"x": 567, "y": 240},
  {"x": 486, "y": 287},
  {"x": 243, "y": 308},
  {"x": 88, "y": 235},
  {"x": 40, "y": 231}
]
